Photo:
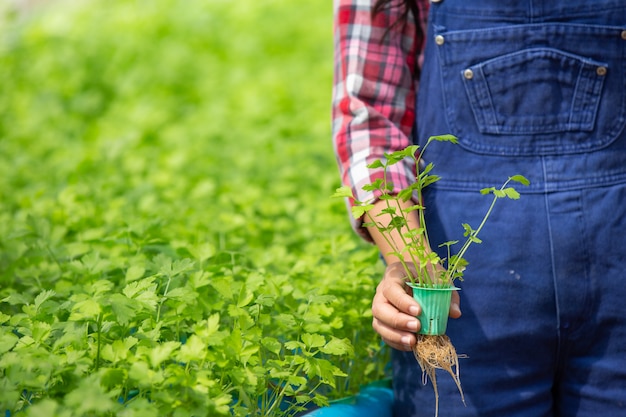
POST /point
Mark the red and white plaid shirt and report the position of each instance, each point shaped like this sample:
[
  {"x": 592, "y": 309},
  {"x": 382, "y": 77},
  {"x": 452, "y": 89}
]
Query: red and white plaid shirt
[{"x": 373, "y": 107}]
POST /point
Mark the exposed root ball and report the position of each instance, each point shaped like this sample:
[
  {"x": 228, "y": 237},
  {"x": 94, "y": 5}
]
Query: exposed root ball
[{"x": 437, "y": 352}]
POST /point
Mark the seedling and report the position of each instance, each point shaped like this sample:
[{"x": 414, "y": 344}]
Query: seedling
[
  {"x": 412, "y": 246},
  {"x": 415, "y": 242}
]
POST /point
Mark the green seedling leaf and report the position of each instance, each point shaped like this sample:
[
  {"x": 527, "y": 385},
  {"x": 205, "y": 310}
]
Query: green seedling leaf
[
  {"x": 378, "y": 184},
  {"x": 343, "y": 192},
  {"x": 444, "y": 138},
  {"x": 397, "y": 223},
  {"x": 359, "y": 211},
  {"x": 521, "y": 179},
  {"x": 394, "y": 157},
  {"x": 413, "y": 208},
  {"x": 405, "y": 194},
  {"x": 376, "y": 164},
  {"x": 511, "y": 193},
  {"x": 388, "y": 210},
  {"x": 387, "y": 197},
  {"x": 427, "y": 180},
  {"x": 410, "y": 151},
  {"x": 448, "y": 243},
  {"x": 414, "y": 233},
  {"x": 488, "y": 190},
  {"x": 429, "y": 167}
]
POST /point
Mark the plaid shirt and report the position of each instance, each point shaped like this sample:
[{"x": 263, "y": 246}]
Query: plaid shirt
[{"x": 373, "y": 107}]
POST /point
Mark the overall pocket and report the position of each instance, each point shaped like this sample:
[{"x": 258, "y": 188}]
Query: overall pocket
[{"x": 534, "y": 89}]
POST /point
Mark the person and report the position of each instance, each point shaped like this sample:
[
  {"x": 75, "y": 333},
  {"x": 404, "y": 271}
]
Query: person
[{"x": 527, "y": 87}]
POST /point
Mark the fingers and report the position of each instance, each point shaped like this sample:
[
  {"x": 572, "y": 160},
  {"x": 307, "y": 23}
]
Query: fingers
[{"x": 395, "y": 311}]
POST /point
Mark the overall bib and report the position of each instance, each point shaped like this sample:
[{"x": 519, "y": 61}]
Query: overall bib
[{"x": 536, "y": 88}]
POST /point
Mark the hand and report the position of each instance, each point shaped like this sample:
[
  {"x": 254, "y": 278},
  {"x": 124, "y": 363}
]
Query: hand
[{"x": 395, "y": 311}]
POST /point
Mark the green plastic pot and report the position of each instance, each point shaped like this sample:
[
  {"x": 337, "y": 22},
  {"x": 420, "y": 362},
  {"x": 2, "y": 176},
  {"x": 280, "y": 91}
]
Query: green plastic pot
[{"x": 435, "y": 303}]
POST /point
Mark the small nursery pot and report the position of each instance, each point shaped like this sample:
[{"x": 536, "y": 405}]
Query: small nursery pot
[{"x": 435, "y": 303}]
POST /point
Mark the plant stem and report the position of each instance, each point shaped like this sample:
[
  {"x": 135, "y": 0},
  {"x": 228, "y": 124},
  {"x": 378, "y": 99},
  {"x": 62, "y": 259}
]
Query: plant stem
[{"x": 474, "y": 233}]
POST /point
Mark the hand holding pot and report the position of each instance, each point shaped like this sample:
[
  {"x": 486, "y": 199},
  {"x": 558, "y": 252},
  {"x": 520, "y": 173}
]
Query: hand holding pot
[{"x": 395, "y": 310}]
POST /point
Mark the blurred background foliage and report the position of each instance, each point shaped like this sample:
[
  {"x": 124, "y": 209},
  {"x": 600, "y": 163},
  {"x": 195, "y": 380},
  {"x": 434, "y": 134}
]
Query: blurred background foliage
[{"x": 140, "y": 134}]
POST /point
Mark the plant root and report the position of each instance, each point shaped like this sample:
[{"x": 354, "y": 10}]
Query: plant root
[{"x": 437, "y": 352}]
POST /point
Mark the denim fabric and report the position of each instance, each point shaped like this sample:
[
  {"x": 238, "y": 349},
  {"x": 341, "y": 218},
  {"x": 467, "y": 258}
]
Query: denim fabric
[{"x": 544, "y": 297}]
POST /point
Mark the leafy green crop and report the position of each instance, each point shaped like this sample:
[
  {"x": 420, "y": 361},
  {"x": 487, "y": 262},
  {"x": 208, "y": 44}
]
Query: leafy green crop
[{"x": 167, "y": 246}]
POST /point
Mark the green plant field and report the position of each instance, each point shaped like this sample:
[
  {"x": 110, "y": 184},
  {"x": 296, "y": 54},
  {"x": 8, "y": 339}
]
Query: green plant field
[{"x": 167, "y": 241}]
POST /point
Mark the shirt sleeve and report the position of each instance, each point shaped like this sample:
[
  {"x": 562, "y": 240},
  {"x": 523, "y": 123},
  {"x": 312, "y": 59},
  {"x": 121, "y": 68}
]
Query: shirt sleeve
[{"x": 374, "y": 88}]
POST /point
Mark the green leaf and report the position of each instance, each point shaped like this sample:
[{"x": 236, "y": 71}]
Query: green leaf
[
  {"x": 413, "y": 208},
  {"x": 475, "y": 239},
  {"x": 359, "y": 211},
  {"x": 112, "y": 377},
  {"x": 43, "y": 297},
  {"x": 245, "y": 297},
  {"x": 467, "y": 230},
  {"x": 397, "y": 222},
  {"x": 410, "y": 151},
  {"x": 511, "y": 193},
  {"x": 85, "y": 310},
  {"x": 448, "y": 243},
  {"x": 144, "y": 291},
  {"x": 404, "y": 194},
  {"x": 378, "y": 184},
  {"x": 194, "y": 349},
  {"x": 313, "y": 340},
  {"x": 336, "y": 346},
  {"x": 124, "y": 308},
  {"x": 521, "y": 179},
  {"x": 272, "y": 345},
  {"x": 394, "y": 157},
  {"x": 376, "y": 164},
  {"x": 15, "y": 299},
  {"x": 134, "y": 273},
  {"x": 294, "y": 345},
  {"x": 162, "y": 352},
  {"x": 7, "y": 340},
  {"x": 444, "y": 138},
  {"x": 119, "y": 349},
  {"x": 40, "y": 331},
  {"x": 343, "y": 192},
  {"x": 388, "y": 210}
]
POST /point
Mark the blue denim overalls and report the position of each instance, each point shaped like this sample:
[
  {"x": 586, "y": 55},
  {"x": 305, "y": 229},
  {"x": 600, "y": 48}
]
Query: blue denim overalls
[{"x": 536, "y": 88}]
